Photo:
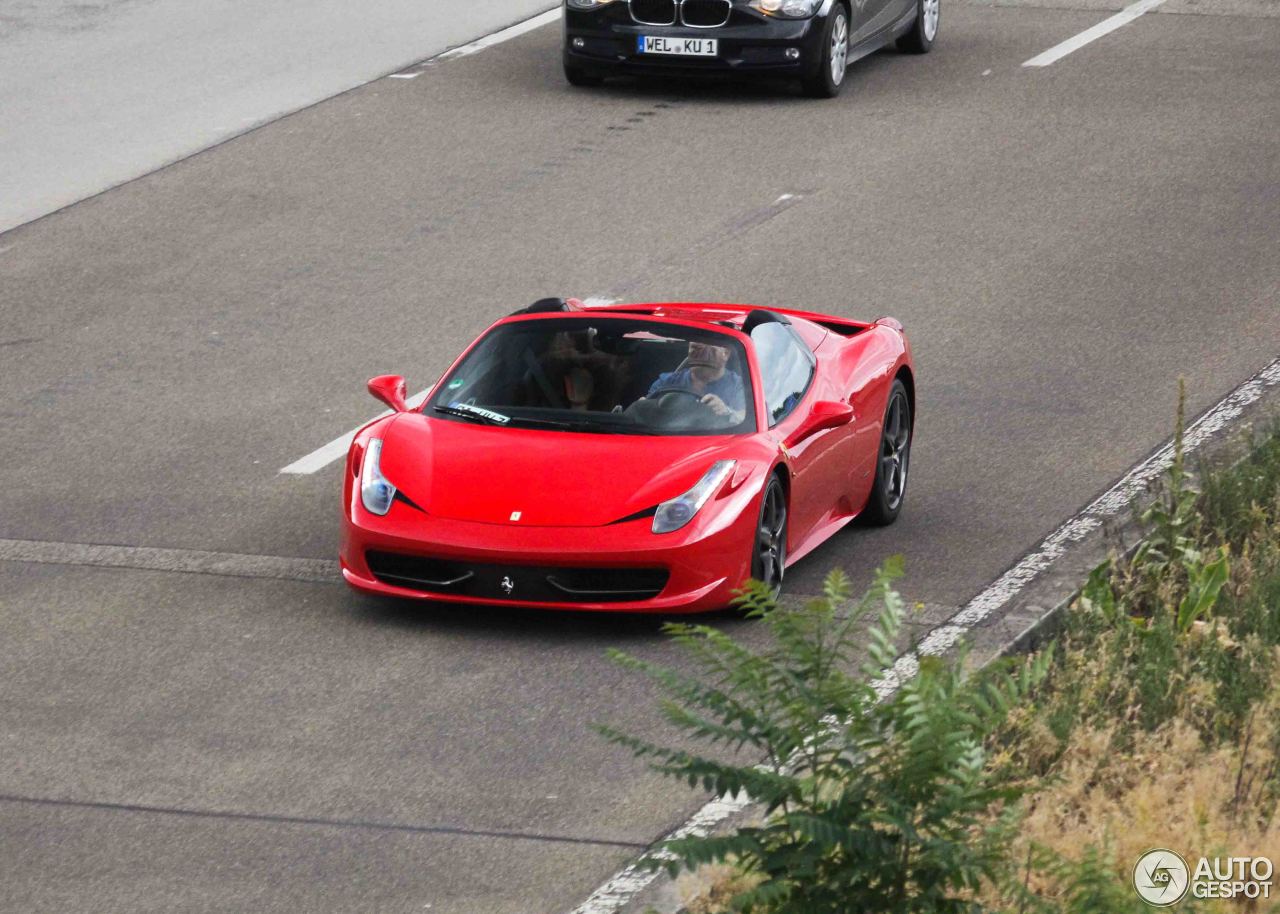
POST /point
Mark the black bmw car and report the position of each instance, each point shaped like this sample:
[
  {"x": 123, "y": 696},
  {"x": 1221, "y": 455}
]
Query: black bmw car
[{"x": 812, "y": 40}]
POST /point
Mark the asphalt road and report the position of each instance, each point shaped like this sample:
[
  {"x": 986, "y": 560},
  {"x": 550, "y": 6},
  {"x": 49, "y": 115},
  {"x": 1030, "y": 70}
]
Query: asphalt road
[
  {"x": 93, "y": 94},
  {"x": 1061, "y": 243}
]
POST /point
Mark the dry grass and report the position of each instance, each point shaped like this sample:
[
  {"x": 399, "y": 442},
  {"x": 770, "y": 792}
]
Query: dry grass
[
  {"x": 1168, "y": 791},
  {"x": 710, "y": 888}
]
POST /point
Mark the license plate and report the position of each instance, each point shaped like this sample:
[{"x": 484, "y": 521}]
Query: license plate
[{"x": 694, "y": 47}]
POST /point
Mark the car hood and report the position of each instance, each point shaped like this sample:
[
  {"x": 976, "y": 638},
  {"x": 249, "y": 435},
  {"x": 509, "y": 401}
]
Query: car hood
[{"x": 539, "y": 478}]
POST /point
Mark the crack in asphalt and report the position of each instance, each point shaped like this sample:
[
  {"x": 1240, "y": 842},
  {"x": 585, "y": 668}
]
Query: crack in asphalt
[
  {"x": 275, "y": 819},
  {"x": 184, "y": 561}
]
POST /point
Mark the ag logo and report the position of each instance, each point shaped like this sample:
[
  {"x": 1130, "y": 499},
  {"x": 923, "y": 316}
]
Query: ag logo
[
  {"x": 1161, "y": 877},
  {"x": 509, "y": 585}
]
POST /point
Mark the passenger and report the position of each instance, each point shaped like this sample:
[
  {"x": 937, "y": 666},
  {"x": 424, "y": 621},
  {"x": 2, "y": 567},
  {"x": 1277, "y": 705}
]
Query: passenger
[{"x": 573, "y": 373}]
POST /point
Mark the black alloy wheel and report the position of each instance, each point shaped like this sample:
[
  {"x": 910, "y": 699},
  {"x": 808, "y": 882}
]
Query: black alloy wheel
[
  {"x": 826, "y": 81},
  {"x": 893, "y": 460},
  {"x": 769, "y": 554}
]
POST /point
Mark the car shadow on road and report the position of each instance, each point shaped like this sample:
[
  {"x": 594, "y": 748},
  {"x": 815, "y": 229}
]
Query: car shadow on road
[
  {"x": 719, "y": 88},
  {"x": 529, "y": 624},
  {"x": 711, "y": 87}
]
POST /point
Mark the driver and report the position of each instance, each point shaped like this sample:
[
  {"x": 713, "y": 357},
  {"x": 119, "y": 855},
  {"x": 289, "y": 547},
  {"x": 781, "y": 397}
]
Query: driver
[{"x": 703, "y": 373}]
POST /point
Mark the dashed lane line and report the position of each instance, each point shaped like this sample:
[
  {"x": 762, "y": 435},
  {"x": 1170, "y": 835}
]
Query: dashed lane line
[
  {"x": 327, "y": 453},
  {"x": 1106, "y": 26}
]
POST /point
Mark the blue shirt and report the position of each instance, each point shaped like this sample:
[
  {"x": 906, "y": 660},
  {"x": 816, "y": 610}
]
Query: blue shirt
[{"x": 728, "y": 387}]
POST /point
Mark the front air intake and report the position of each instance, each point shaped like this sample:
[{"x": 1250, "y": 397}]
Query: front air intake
[
  {"x": 524, "y": 583},
  {"x": 705, "y": 14},
  {"x": 654, "y": 12}
]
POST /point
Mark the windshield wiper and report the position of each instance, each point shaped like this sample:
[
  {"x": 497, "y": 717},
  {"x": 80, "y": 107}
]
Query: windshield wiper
[
  {"x": 489, "y": 417},
  {"x": 628, "y": 429},
  {"x": 579, "y": 426},
  {"x": 467, "y": 411},
  {"x": 585, "y": 425}
]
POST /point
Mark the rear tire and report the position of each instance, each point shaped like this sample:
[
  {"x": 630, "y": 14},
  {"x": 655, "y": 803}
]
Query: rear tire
[
  {"x": 893, "y": 459},
  {"x": 829, "y": 77},
  {"x": 769, "y": 547},
  {"x": 924, "y": 31},
  {"x": 577, "y": 76}
]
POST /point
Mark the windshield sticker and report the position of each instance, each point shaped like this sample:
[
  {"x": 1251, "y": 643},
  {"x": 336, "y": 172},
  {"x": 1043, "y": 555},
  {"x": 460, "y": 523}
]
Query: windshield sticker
[
  {"x": 480, "y": 411},
  {"x": 456, "y": 383}
]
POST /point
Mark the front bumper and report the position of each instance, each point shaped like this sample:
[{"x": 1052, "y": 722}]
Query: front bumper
[
  {"x": 604, "y": 42},
  {"x": 705, "y": 563}
]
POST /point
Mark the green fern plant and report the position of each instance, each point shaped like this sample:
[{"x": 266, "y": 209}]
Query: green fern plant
[
  {"x": 1088, "y": 885},
  {"x": 874, "y": 800}
]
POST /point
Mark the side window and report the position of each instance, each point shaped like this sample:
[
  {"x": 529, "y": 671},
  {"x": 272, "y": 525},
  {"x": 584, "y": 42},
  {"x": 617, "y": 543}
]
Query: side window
[{"x": 786, "y": 367}]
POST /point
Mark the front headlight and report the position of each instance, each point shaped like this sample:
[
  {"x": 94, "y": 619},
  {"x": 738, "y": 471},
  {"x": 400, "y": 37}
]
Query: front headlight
[
  {"x": 588, "y": 4},
  {"x": 674, "y": 514},
  {"x": 376, "y": 491},
  {"x": 786, "y": 9}
]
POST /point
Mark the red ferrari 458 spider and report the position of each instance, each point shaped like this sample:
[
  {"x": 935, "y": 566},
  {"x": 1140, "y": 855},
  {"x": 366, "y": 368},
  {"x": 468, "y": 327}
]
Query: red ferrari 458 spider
[{"x": 635, "y": 458}]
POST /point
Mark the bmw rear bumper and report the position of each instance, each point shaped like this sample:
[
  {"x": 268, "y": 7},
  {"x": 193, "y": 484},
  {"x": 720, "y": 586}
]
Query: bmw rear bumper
[{"x": 605, "y": 42}]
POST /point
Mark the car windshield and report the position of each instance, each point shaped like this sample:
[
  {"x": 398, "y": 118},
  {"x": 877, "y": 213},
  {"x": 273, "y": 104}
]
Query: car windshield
[{"x": 606, "y": 375}]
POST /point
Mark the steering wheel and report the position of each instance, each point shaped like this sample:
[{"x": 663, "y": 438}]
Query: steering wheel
[{"x": 662, "y": 392}]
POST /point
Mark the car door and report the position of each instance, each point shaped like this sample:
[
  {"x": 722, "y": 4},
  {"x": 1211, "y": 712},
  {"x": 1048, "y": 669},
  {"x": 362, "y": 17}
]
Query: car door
[
  {"x": 819, "y": 463},
  {"x": 873, "y": 16},
  {"x": 861, "y": 14}
]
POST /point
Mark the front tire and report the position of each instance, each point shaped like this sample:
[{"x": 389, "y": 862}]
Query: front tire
[
  {"x": 769, "y": 550},
  {"x": 892, "y": 461},
  {"x": 919, "y": 40},
  {"x": 829, "y": 78}
]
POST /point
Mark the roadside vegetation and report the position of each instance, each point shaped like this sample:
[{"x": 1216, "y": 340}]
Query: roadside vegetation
[{"x": 1032, "y": 785}]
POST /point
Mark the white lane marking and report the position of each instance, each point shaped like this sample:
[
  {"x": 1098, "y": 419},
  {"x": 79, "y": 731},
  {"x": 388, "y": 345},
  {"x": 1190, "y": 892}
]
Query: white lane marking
[
  {"x": 513, "y": 31},
  {"x": 326, "y": 454},
  {"x": 633, "y": 879},
  {"x": 189, "y": 561},
  {"x": 488, "y": 41},
  {"x": 1125, "y": 16}
]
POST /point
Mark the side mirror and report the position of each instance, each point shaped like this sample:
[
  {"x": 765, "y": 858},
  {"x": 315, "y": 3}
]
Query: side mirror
[
  {"x": 389, "y": 388},
  {"x": 824, "y": 415}
]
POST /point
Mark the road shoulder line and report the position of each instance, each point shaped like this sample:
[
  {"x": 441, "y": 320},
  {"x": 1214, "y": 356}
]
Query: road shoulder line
[
  {"x": 486, "y": 41},
  {"x": 631, "y": 888},
  {"x": 257, "y": 124}
]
